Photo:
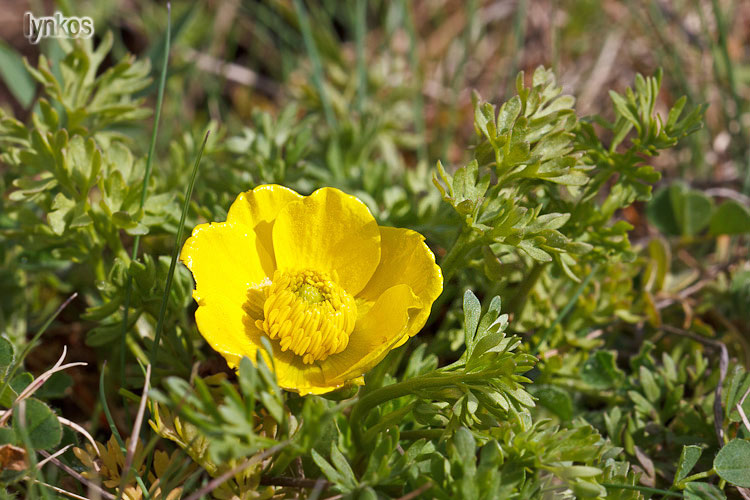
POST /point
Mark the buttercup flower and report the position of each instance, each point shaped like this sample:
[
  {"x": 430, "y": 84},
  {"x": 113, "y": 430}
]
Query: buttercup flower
[{"x": 332, "y": 291}]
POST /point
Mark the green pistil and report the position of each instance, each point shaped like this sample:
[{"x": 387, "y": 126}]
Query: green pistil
[{"x": 310, "y": 293}]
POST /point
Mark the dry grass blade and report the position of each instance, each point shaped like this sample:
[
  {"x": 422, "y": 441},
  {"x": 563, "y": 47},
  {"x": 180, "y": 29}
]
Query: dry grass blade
[
  {"x": 81, "y": 430},
  {"x": 61, "y": 491},
  {"x": 90, "y": 485},
  {"x": 54, "y": 455},
  {"x": 134, "y": 435},
  {"x": 39, "y": 382}
]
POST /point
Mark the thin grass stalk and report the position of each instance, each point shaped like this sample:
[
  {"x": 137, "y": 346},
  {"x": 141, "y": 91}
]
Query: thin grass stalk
[
  {"x": 175, "y": 253},
  {"x": 144, "y": 189},
  {"x": 317, "y": 66},
  {"x": 419, "y": 122}
]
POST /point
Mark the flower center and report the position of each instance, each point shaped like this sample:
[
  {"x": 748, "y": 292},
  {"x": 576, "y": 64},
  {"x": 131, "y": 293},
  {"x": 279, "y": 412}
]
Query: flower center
[{"x": 309, "y": 313}]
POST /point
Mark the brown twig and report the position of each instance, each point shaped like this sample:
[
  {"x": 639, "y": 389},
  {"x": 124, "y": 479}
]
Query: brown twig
[{"x": 133, "y": 445}]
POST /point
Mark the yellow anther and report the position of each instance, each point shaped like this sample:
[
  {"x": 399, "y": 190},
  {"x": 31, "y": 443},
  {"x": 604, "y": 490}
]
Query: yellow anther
[{"x": 308, "y": 313}]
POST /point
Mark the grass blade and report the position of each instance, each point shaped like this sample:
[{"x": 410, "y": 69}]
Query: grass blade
[
  {"x": 418, "y": 99},
  {"x": 144, "y": 190},
  {"x": 317, "y": 66},
  {"x": 175, "y": 253}
]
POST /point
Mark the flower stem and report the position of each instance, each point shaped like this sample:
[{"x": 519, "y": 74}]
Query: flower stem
[
  {"x": 428, "y": 381},
  {"x": 465, "y": 242},
  {"x": 422, "y": 434}
]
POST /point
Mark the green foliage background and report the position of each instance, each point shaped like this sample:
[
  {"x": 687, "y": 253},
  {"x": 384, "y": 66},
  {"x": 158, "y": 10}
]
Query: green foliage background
[{"x": 592, "y": 337}]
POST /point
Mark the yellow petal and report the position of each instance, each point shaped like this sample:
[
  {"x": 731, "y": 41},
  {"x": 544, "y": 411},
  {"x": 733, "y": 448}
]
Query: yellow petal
[
  {"x": 261, "y": 204},
  {"x": 374, "y": 335},
  {"x": 227, "y": 329},
  {"x": 225, "y": 265},
  {"x": 405, "y": 258},
  {"x": 224, "y": 262},
  {"x": 328, "y": 231},
  {"x": 258, "y": 208}
]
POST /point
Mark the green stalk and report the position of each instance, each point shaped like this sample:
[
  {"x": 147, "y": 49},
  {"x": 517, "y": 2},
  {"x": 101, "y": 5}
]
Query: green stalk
[
  {"x": 175, "y": 253},
  {"x": 422, "y": 434},
  {"x": 317, "y": 66},
  {"x": 521, "y": 294},
  {"x": 738, "y": 102},
  {"x": 360, "y": 28},
  {"x": 144, "y": 188},
  {"x": 30, "y": 454},
  {"x": 695, "y": 477},
  {"x": 465, "y": 243},
  {"x": 456, "y": 78},
  {"x": 429, "y": 381},
  {"x": 644, "y": 489},
  {"x": 418, "y": 99},
  {"x": 387, "y": 421}
]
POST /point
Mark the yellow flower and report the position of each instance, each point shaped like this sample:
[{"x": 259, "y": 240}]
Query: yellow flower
[{"x": 332, "y": 290}]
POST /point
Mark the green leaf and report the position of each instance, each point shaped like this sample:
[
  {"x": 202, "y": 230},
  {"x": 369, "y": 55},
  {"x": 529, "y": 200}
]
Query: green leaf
[
  {"x": 55, "y": 387},
  {"x": 692, "y": 210},
  {"x": 330, "y": 473},
  {"x": 342, "y": 465},
  {"x": 465, "y": 444},
  {"x": 680, "y": 211},
  {"x": 688, "y": 458},
  {"x": 58, "y": 218},
  {"x": 601, "y": 370},
  {"x": 472, "y": 310},
  {"x": 556, "y": 400},
  {"x": 730, "y": 218},
  {"x": 732, "y": 463},
  {"x": 40, "y": 423}
]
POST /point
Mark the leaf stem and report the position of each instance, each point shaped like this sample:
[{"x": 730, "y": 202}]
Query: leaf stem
[
  {"x": 695, "y": 477},
  {"x": 521, "y": 294},
  {"x": 644, "y": 489}
]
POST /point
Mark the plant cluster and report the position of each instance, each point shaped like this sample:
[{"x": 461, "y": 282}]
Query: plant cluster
[{"x": 562, "y": 360}]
